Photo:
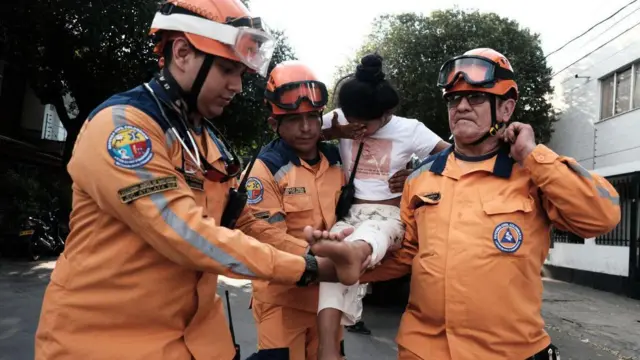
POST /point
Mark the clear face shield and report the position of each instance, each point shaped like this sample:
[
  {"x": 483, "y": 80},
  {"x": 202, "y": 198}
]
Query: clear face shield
[
  {"x": 255, "y": 49},
  {"x": 247, "y": 38}
]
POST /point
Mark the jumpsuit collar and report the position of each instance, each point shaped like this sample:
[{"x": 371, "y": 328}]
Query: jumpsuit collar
[
  {"x": 289, "y": 153},
  {"x": 502, "y": 168}
]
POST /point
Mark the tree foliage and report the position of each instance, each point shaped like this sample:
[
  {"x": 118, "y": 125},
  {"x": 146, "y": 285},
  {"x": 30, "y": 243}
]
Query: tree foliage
[
  {"x": 87, "y": 50},
  {"x": 415, "y": 47},
  {"x": 90, "y": 50}
]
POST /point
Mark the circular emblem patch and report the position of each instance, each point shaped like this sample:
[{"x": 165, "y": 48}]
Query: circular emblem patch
[
  {"x": 255, "y": 190},
  {"x": 507, "y": 237},
  {"x": 130, "y": 147}
]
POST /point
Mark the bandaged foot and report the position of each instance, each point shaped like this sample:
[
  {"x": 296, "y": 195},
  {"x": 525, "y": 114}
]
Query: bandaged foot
[{"x": 349, "y": 258}]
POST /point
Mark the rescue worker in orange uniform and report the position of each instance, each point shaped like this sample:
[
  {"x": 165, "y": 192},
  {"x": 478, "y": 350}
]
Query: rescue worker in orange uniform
[
  {"x": 478, "y": 219},
  {"x": 151, "y": 178},
  {"x": 295, "y": 182}
]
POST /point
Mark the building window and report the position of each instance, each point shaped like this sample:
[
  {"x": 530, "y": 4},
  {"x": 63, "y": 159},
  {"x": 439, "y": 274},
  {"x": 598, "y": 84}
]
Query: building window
[{"x": 620, "y": 91}]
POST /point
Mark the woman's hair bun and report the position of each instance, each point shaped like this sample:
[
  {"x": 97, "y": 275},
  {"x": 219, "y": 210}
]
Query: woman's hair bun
[{"x": 370, "y": 69}]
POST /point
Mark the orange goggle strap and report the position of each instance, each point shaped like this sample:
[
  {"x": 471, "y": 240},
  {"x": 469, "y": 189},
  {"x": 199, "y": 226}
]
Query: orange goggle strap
[
  {"x": 254, "y": 23},
  {"x": 315, "y": 92},
  {"x": 170, "y": 8},
  {"x": 475, "y": 70}
]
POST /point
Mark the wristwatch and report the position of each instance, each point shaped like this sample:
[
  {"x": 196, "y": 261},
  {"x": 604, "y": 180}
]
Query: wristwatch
[{"x": 310, "y": 273}]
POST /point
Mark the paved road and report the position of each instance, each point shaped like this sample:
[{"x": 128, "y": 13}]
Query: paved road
[{"x": 22, "y": 286}]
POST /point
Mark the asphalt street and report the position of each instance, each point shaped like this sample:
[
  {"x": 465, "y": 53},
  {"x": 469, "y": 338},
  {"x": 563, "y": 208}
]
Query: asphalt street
[{"x": 614, "y": 334}]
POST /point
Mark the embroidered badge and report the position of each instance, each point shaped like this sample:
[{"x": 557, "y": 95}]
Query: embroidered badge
[
  {"x": 194, "y": 182},
  {"x": 507, "y": 237},
  {"x": 255, "y": 190},
  {"x": 146, "y": 188},
  {"x": 295, "y": 190},
  {"x": 130, "y": 147}
]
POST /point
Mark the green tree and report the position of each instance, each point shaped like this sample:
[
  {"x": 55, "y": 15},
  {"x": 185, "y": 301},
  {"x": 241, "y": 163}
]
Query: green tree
[
  {"x": 415, "y": 47},
  {"x": 90, "y": 50},
  {"x": 86, "y": 50}
]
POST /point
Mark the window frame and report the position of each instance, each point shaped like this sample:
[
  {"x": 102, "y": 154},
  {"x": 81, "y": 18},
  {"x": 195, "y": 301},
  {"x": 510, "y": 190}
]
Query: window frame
[{"x": 634, "y": 66}]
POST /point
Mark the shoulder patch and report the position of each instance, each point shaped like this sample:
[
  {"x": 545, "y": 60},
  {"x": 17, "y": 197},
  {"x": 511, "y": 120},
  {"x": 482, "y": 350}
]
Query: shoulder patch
[
  {"x": 255, "y": 190},
  {"x": 130, "y": 147},
  {"x": 146, "y": 188}
]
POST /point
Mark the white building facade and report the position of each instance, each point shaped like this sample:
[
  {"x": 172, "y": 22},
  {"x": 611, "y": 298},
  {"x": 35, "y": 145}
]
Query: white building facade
[{"x": 597, "y": 90}]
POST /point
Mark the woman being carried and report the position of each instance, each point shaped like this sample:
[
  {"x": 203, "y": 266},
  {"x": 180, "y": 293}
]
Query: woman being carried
[{"x": 365, "y": 115}]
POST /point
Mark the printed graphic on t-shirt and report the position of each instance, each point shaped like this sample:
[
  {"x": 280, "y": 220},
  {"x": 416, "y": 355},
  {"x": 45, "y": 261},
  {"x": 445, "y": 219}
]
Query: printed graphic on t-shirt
[{"x": 375, "y": 161}]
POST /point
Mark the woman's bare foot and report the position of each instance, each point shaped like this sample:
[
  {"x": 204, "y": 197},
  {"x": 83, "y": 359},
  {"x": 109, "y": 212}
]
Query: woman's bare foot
[{"x": 347, "y": 257}]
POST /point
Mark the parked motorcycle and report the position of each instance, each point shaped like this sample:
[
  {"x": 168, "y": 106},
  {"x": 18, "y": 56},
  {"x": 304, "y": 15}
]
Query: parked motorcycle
[
  {"x": 36, "y": 235},
  {"x": 42, "y": 235}
]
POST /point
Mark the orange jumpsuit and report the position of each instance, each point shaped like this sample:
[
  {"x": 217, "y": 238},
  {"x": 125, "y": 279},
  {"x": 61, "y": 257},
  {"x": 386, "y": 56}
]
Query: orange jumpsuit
[
  {"x": 477, "y": 235},
  {"x": 291, "y": 194},
  {"x": 138, "y": 277}
]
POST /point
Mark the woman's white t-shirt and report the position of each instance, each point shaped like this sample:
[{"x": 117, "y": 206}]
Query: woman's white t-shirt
[{"x": 384, "y": 153}]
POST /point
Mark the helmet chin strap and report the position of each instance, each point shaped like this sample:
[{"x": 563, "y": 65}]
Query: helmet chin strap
[
  {"x": 190, "y": 97},
  {"x": 495, "y": 126}
]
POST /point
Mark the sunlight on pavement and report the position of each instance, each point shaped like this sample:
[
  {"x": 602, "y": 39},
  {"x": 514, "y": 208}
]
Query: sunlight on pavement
[
  {"x": 390, "y": 342},
  {"x": 45, "y": 265}
]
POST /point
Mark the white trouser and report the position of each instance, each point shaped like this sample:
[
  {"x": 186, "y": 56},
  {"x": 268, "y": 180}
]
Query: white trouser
[{"x": 381, "y": 227}]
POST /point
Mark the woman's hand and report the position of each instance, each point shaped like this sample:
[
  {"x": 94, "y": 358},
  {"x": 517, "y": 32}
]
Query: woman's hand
[{"x": 348, "y": 131}]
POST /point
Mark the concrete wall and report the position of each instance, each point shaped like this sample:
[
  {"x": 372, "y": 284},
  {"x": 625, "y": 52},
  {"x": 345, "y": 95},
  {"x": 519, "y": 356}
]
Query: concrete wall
[{"x": 612, "y": 260}]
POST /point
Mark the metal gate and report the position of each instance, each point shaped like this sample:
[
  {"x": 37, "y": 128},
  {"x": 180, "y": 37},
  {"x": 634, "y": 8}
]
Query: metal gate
[{"x": 627, "y": 231}]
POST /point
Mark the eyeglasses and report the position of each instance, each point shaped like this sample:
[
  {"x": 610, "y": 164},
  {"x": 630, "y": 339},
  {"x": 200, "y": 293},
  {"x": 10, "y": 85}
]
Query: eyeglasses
[
  {"x": 474, "y": 99},
  {"x": 232, "y": 164}
]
